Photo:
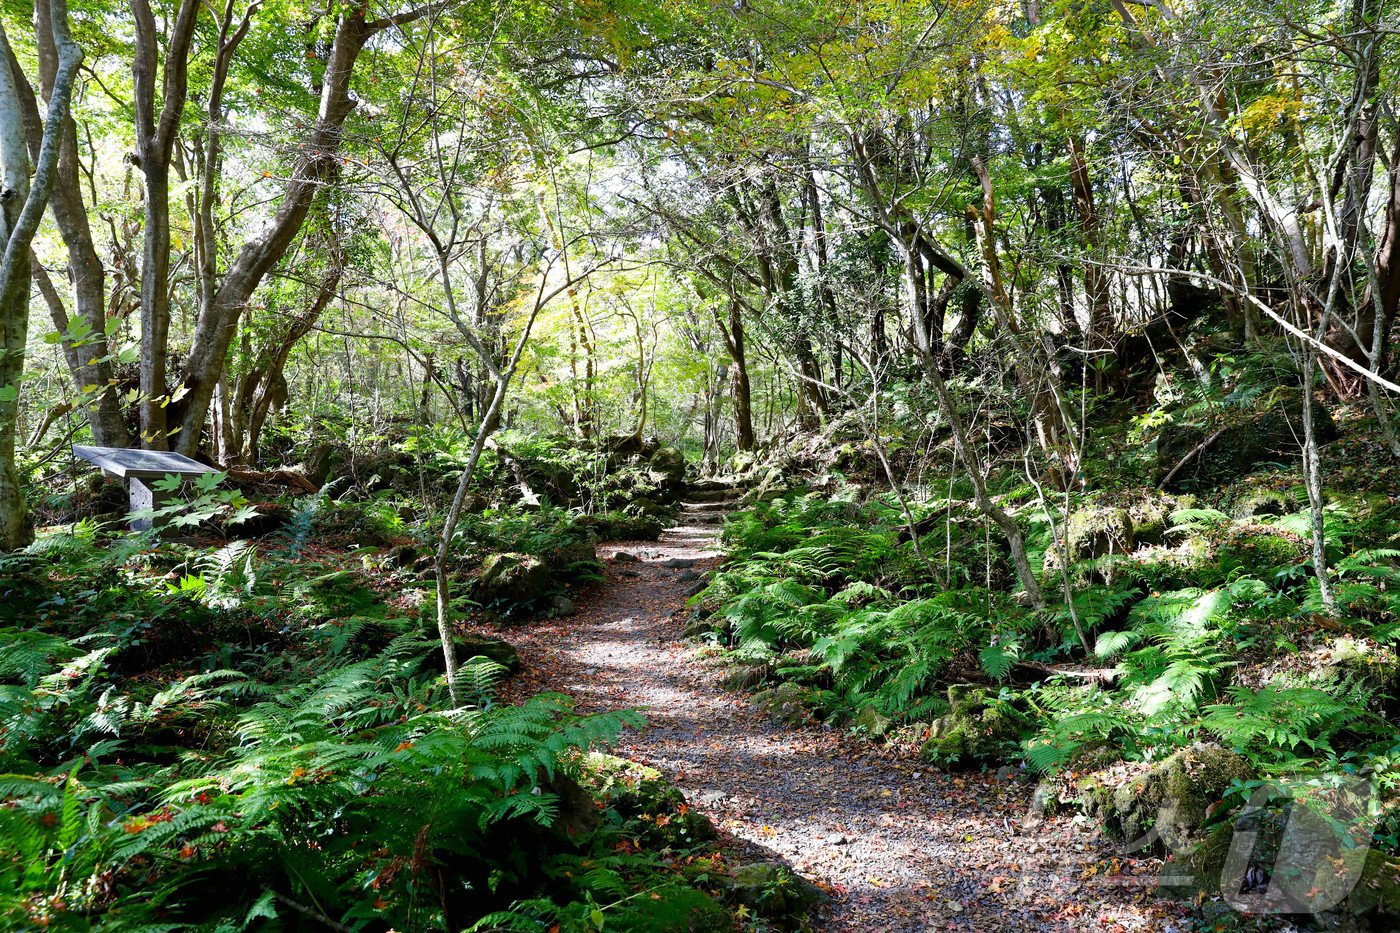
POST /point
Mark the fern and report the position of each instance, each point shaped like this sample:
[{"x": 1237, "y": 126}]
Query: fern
[
  {"x": 1197, "y": 519},
  {"x": 1274, "y": 722},
  {"x": 997, "y": 660}
]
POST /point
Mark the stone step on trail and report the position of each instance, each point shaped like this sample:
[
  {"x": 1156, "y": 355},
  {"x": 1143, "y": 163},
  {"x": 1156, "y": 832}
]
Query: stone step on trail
[
  {"x": 729, "y": 494},
  {"x": 701, "y": 518},
  {"x": 708, "y": 506}
]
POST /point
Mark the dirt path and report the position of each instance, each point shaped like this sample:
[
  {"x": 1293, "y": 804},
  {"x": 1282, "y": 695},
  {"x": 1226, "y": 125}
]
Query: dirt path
[{"x": 898, "y": 846}]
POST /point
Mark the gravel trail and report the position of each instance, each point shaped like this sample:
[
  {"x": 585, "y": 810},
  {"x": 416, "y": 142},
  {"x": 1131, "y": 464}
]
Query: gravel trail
[{"x": 898, "y": 846}]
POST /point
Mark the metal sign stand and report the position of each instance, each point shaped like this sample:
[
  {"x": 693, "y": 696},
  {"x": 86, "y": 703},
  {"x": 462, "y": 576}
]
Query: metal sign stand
[{"x": 140, "y": 468}]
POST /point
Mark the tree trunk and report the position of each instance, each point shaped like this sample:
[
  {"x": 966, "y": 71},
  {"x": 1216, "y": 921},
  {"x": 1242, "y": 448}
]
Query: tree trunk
[
  {"x": 89, "y": 364},
  {"x": 741, "y": 390},
  {"x": 155, "y": 137},
  {"x": 1096, "y": 283},
  {"x": 314, "y": 167},
  {"x": 22, "y": 204},
  {"x": 976, "y": 471},
  {"x": 263, "y": 386}
]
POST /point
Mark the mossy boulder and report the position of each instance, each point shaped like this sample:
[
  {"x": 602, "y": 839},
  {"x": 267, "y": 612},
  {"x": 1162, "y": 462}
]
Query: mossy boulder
[
  {"x": 642, "y": 507},
  {"x": 1362, "y": 506},
  {"x": 666, "y": 468},
  {"x": 513, "y": 581},
  {"x": 1169, "y": 805},
  {"x": 577, "y": 814},
  {"x": 1293, "y": 862},
  {"x": 773, "y": 891},
  {"x": 621, "y": 526},
  {"x": 1262, "y": 502},
  {"x": 1376, "y": 896},
  {"x": 1091, "y": 533},
  {"x": 1360, "y": 662},
  {"x": 746, "y": 675},
  {"x": 870, "y": 721},
  {"x": 100, "y": 496},
  {"x": 574, "y": 557},
  {"x": 979, "y": 728},
  {"x": 672, "y": 908},
  {"x": 1234, "y": 444},
  {"x": 1151, "y": 518},
  {"x": 471, "y": 645},
  {"x": 1256, "y": 549},
  {"x": 323, "y": 462},
  {"x": 1095, "y": 532},
  {"x": 787, "y": 704},
  {"x": 641, "y": 795}
]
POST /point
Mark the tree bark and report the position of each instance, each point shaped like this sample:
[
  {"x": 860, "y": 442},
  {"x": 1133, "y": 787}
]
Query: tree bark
[
  {"x": 22, "y": 204},
  {"x": 1100, "y": 323},
  {"x": 263, "y": 386},
  {"x": 741, "y": 390},
  {"x": 317, "y": 163},
  {"x": 155, "y": 136},
  {"x": 89, "y": 363}
]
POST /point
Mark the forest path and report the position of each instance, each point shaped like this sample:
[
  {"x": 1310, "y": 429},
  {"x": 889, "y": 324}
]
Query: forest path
[{"x": 897, "y": 845}]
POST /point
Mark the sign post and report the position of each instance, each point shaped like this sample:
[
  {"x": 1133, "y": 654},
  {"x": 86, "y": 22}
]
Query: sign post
[{"x": 140, "y": 468}]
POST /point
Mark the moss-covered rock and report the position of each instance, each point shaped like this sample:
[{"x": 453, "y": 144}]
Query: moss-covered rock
[
  {"x": 979, "y": 728},
  {"x": 1234, "y": 444},
  {"x": 672, "y": 908},
  {"x": 471, "y": 645},
  {"x": 1295, "y": 863},
  {"x": 1091, "y": 533},
  {"x": 621, "y": 526},
  {"x": 1359, "y": 662},
  {"x": 513, "y": 581},
  {"x": 774, "y": 892},
  {"x": 748, "y": 675},
  {"x": 573, "y": 557},
  {"x": 1376, "y": 896},
  {"x": 787, "y": 704},
  {"x": 666, "y": 467},
  {"x": 870, "y": 721},
  {"x": 1046, "y": 798},
  {"x": 1362, "y": 506},
  {"x": 577, "y": 814},
  {"x": 1261, "y": 502},
  {"x": 1151, "y": 518},
  {"x": 639, "y": 794},
  {"x": 1170, "y": 803},
  {"x": 1255, "y": 549}
]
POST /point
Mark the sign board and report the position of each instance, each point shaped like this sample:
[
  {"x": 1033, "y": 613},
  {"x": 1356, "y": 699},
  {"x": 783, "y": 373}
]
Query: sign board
[
  {"x": 126, "y": 462},
  {"x": 137, "y": 466}
]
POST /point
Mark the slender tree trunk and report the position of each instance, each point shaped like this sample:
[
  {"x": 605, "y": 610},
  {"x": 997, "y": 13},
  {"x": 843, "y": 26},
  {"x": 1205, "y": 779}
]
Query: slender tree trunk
[
  {"x": 441, "y": 579},
  {"x": 23, "y": 201},
  {"x": 490, "y": 418},
  {"x": 740, "y": 388},
  {"x": 89, "y": 363},
  {"x": 155, "y": 137},
  {"x": 1312, "y": 480},
  {"x": 972, "y": 459},
  {"x": 316, "y": 165},
  {"x": 1096, "y": 282}
]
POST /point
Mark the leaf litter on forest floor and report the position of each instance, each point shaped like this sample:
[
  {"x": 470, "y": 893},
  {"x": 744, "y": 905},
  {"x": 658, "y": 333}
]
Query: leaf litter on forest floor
[{"x": 923, "y": 850}]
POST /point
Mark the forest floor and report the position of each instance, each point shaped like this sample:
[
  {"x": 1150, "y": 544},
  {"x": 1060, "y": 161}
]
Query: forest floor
[{"x": 897, "y": 845}]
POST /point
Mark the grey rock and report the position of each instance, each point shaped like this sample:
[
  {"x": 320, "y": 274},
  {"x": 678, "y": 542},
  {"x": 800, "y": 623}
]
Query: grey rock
[{"x": 774, "y": 891}]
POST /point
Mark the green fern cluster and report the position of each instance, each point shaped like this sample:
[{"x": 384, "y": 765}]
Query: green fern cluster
[{"x": 350, "y": 796}]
